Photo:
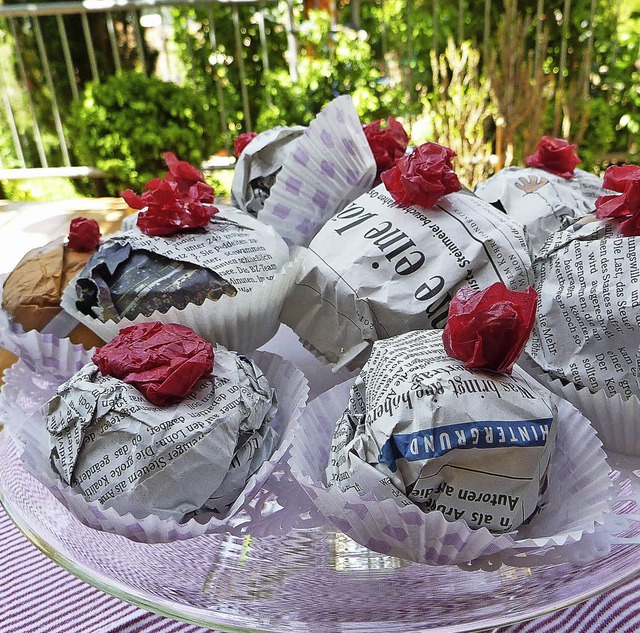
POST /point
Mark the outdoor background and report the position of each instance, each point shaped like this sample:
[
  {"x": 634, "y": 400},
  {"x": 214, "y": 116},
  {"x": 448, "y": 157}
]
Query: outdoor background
[{"x": 114, "y": 89}]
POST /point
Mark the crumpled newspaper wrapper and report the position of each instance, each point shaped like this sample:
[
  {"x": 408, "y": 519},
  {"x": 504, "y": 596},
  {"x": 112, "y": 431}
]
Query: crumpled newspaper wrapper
[
  {"x": 587, "y": 331},
  {"x": 331, "y": 165},
  {"x": 197, "y": 454},
  {"x": 384, "y": 520},
  {"x": 259, "y": 164},
  {"x": 412, "y": 423},
  {"x": 378, "y": 269},
  {"x": 247, "y": 260},
  {"x": 31, "y": 293},
  {"x": 543, "y": 202}
]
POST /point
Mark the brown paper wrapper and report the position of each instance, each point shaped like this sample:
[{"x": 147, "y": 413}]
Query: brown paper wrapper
[{"x": 32, "y": 291}]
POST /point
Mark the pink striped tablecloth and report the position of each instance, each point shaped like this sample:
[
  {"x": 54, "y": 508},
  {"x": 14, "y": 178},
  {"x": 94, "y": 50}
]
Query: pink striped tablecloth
[{"x": 37, "y": 596}]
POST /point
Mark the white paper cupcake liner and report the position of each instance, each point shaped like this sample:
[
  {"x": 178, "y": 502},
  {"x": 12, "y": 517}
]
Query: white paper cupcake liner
[
  {"x": 330, "y": 166},
  {"x": 241, "y": 323},
  {"x": 292, "y": 389},
  {"x": 43, "y": 353},
  {"x": 615, "y": 419},
  {"x": 579, "y": 497}
]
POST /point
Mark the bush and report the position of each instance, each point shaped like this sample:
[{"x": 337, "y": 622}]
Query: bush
[{"x": 124, "y": 125}]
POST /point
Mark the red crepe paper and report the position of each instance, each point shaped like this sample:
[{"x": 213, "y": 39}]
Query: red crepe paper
[
  {"x": 187, "y": 176},
  {"x": 387, "y": 144},
  {"x": 177, "y": 203},
  {"x": 488, "y": 329},
  {"x": 241, "y": 141},
  {"x": 556, "y": 156},
  {"x": 626, "y": 180},
  {"x": 423, "y": 176},
  {"x": 163, "y": 361},
  {"x": 84, "y": 234}
]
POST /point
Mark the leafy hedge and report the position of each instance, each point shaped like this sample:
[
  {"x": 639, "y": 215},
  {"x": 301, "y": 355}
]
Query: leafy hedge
[{"x": 124, "y": 125}]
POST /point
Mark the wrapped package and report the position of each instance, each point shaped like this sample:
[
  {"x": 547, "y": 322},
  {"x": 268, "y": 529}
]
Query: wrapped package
[
  {"x": 543, "y": 202},
  {"x": 549, "y": 195},
  {"x": 226, "y": 280},
  {"x": 380, "y": 268},
  {"x": 169, "y": 437},
  {"x": 587, "y": 335},
  {"x": 331, "y": 165},
  {"x": 259, "y": 164},
  {"x": 473, "y": 445},
  {"x": 31, "y": 293}
]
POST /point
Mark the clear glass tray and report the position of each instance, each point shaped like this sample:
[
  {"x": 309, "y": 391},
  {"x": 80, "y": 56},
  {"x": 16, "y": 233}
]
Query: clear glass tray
[
  {"x": 309, "y": 580},
  {"x": 306, "y": 579}
]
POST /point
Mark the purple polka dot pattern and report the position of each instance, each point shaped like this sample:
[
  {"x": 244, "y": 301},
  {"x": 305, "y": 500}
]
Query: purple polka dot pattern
[
  {"x": 359, "y": 508},
  {"x": 452, "y": 540},
  {"x": 293, "y": 185},
  {"x": 328, "y": 169},
  {"x": 300, "y": 155},
  {"x": 398, "y": 533},
  {"x": 281, "y": 211},
  {"x": 321, "y": 199},
  {"x": 306, "y": 227},
  {"x": 327, "y": 139},
  {"x": 379, "y": 546}
]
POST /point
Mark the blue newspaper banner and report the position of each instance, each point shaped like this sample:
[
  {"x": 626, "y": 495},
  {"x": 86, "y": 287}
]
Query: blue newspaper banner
[{"x": 431, "y": 443}]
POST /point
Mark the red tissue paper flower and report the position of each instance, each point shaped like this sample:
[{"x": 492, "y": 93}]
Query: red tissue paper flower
[
  {"x": 488, "y": 329},
  {"x": 241, "y": 141},
  {"x": 163, "y": 361},
  {"x": 84, "y": 234},
  {"x": 187, "y": 176},
  {"x": 556, "y": 156},
  {"x": 387, "y": 144},
  {"x": 423, "y": 176},
  {"x": 173, "y": 204},
  {"x": 626, "y": 180}
]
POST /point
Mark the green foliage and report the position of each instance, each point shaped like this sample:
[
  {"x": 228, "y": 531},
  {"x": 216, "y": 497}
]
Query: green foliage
[
  {"x": 124, "y": 125},
  {"x": 333, "y": 61}
]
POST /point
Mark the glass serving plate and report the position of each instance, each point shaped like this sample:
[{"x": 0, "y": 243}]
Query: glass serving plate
[{"x": 302, "y": 580}]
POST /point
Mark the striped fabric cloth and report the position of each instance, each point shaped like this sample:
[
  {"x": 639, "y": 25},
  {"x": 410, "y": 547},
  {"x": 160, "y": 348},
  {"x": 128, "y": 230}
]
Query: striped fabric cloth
[{"x": 37, "y": 596}]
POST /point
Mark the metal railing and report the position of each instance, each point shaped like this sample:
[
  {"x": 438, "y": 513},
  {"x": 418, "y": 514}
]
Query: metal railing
[{"x": 144, "y": 26}]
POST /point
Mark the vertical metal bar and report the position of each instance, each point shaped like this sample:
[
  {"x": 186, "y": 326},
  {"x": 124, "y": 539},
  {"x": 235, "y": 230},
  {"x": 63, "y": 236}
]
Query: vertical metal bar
[
  {"x": 292, "y": 44},
  {"x": 410, "y": 60},
  {"x": 559, "y": 96},
  {"x": 219, "y": 93},
  {"x": 487, "y": 32},
  {"x": 263, "y": 40},
  {"x": 52, "y": 89},
  {"x": 114, "y": 42},
  {"x": 434, "y": 18},
  {"x": 32, "y": 110},
  {"x": 538, "y": 52},
  {"x": 67, "y": 56},
  {"x": 460, "y": 21},
  {"x": 241, "y": 69},
  {"x": 355, "y": 14},
  {"x": 587, "y": 79},
  {"x": 165, "y": 47},
  {"x": 135, "y": 18},
  {"x": 263, "y": 45},
  {"x": 90, "y": 50},
  {"x": 10, "y": 119}
]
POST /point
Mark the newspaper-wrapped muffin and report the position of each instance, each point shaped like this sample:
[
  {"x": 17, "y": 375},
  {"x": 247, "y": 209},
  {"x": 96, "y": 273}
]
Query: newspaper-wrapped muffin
[
  {"x": 154, "y": 425},
  {"x": 547, "y": 196},
  {"x": 587, "y": 332},
  {"x": 31, "y": 293},
  {"x": 391, "y": 261},
  {"x": 437, "y": 458},
  {"x": 215, "y": 269},
  {"x": 260, "y": 160},
  {"x": 470, "y": 443}
]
